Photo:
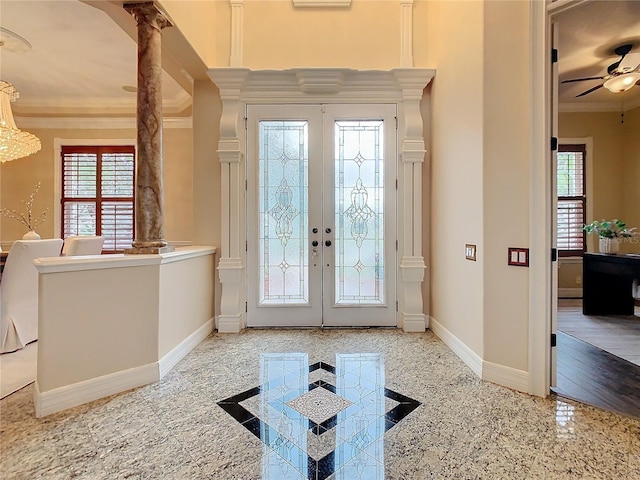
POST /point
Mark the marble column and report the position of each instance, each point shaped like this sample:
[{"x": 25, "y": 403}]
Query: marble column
[{"x": 149, "y": 208}]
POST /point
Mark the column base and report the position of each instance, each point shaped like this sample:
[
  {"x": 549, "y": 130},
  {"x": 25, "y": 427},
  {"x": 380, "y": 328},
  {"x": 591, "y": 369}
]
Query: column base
[
  {"x": 413, "y": 322},
  {"x": 230, "y": 323},
  {"x": 149, "y": 250}
]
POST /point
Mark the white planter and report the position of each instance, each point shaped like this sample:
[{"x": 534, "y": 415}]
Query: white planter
[{"x": 609, "y": 245}]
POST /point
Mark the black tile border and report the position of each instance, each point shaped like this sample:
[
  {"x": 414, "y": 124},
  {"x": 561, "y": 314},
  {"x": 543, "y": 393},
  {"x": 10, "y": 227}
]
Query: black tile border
[{"x": 325, "y": 467}]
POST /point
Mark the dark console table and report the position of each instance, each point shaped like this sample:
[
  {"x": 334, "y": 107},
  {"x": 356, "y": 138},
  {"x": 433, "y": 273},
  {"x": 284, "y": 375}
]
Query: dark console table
[{"x": 607, "y": 283}]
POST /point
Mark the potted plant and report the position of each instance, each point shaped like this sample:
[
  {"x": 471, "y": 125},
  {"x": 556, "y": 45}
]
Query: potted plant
[{"x": 609, "y": 233}]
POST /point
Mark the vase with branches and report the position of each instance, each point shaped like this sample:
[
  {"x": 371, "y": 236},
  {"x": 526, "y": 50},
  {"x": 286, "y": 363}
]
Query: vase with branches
[{"x": 27, "y": 218}]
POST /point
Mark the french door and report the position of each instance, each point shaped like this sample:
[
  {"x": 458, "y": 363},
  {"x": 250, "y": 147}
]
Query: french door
[{"x": 321, "y": 201}]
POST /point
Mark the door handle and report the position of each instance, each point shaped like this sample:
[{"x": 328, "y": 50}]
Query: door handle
[
  {"x": 314, "y": 243},
  {"x": 328, "y": 243}
]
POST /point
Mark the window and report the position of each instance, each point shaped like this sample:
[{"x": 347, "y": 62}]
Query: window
[
  {"x": 97, "y": 194},
  {"x": 571, "y": 200}
]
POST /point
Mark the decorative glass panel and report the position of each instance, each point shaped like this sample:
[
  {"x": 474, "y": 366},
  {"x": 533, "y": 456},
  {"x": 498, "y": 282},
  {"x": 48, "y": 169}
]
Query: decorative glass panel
[
  {"x": 283, "y": 216},
  {"x": 359, "y": 213}
]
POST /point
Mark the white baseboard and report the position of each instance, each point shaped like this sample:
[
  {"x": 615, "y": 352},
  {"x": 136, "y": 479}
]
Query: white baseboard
[
  {"x": 170, "y": 360},
  {"x": 505, "y": 376},
  {"x": 413, "y": 322},
  {"x": 58, "y": 399},
  {"x": 570, "y": 292},
  {"x": 488, "y": 371},
  {"x": 468, "y": 356}
]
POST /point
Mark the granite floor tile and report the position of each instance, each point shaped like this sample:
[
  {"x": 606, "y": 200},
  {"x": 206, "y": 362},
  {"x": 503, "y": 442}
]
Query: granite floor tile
[{"x": 462, "y": 428}]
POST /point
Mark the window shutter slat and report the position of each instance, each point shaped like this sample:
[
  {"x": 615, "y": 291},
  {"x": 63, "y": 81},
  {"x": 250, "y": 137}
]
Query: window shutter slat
[
  {"x": 117, "y": 225},
  {"x": 98, "y": 193},
  {"x": 571, "y": 200}
]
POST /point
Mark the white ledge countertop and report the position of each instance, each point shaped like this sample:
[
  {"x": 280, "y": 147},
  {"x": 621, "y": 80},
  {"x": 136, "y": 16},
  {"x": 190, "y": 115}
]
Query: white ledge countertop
[{"x": 107, "y": 261}]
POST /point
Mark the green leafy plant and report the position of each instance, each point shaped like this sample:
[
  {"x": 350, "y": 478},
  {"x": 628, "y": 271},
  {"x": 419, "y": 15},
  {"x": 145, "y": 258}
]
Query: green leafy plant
[
  {"x": 27, "y": 219},
  {"x": 610, "y": 229}
]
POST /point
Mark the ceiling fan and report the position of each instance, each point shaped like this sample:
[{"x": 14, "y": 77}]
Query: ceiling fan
[{"x": 621, "y": 75}]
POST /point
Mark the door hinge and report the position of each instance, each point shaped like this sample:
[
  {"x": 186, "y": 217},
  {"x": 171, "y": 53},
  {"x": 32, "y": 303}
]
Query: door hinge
[
  {"x": 396, "y": 184},
  {"x": 553, "y": 340},
  {"x": 396, "y": 245},
  {"x": 554, "y": 55},
  {"x": 396, "y": 305},
  {"x": 246, "y": 121},
  {"x": 554, "y": 254},
  {"x": 554, "y": 144},
  {"x": 246, "y": 185},
  {"x": 246, "y": 307},
  {"x": 246, "y": 245},
  {"x": 396, "y": 122}
]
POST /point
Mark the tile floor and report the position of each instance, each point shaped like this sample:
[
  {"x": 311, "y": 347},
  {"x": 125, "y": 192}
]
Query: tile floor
[{"x": 233, "y": 410}]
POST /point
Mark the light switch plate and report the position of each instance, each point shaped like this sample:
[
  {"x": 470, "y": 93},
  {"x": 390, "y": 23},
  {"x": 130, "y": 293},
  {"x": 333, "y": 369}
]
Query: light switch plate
[
  {"x": 470, "y": 251},
  {"x": 518, "y": 257}
]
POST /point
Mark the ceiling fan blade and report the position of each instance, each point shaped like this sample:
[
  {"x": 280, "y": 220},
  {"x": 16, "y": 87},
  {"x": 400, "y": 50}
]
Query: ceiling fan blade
[
  {"x": 589, "y": 91},
  {"x": 622, "y": 50},
  {"x": 582, "y": 79},
  {"x": 629, "y": 62}
]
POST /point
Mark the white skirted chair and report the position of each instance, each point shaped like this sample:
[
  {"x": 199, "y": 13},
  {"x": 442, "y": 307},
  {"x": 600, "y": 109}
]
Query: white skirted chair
[
  {"x": 19, "y": 292},
  {"x": 82, "y": 245}
]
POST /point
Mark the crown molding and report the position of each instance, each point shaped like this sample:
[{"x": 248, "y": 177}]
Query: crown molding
[
  {"x": 97, "y": 106},
  {"x": 102, "y": 123},
  {"x": 598, "y": 107}
]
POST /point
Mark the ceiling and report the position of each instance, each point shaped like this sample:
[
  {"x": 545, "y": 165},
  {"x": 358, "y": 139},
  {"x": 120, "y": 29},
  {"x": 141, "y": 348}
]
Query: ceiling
[
  {"x": 83, "y": 53},
  {"x": 589, "y": 34}
]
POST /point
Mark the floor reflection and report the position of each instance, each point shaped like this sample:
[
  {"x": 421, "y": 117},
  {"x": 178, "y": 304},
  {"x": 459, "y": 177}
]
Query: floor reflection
[
  {"x": 319, "y": 420},
  {"x": 565, "y": 420}
]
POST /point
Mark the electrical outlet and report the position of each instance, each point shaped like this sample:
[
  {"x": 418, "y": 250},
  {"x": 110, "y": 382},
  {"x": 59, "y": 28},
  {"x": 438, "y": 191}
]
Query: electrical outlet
[{"x": 579, "y": 280}]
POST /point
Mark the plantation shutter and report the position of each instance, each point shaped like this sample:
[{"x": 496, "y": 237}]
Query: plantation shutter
[
  {"x": 571, "y": 200},
  {"x": 98, "y": 194}
]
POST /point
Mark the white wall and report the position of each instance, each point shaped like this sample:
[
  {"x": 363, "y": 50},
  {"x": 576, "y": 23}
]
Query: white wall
[
  {"x": 455, "y": 49},
  {"x": 507, "y": 127}
]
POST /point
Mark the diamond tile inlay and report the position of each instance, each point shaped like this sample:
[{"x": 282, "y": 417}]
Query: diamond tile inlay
[
  {"x": 313, "y": 429},
  {"x": 319, "y": 404}
]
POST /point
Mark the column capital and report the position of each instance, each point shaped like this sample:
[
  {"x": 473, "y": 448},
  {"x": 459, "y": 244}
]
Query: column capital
[{"x": 148, "y": 13}]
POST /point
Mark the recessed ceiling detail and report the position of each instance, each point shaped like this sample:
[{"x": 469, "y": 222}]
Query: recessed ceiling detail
[{"x": 12, "y": 42}]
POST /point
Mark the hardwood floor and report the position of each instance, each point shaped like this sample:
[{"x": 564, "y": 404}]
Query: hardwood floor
[
  {"x": 618, "y": 335},
  {"x": 593, "y": 376},
  {"x": 599, "y": 358}
]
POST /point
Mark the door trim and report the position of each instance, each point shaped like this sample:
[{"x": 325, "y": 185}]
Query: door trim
[{"x": 241, "y": 86}]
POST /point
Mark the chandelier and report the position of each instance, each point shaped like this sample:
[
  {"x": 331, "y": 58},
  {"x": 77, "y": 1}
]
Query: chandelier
[{"x": 14, "y": 143}]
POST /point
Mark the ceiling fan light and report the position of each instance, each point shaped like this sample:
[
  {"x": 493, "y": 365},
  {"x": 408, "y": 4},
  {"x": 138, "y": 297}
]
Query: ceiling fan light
[{"x": 622, "y": 83}]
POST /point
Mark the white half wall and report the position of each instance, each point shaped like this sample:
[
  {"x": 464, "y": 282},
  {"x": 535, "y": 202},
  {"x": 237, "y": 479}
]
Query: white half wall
[{"x": 108, "y": 323}]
